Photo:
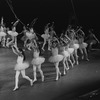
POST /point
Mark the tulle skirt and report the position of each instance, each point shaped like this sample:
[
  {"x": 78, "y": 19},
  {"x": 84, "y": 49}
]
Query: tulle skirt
[
  {"x": 21, "y": 66},
  {"x": 56, "y": 58},
  {"x": 75, "y": 46},
  {"x": 65, "y": 53},
  {"x": 12, "y": 33},
  {"x": 2, "y": 34},
  {"x": 83, "y": 45},
  {"x": 38, "y": 61},
  {"x": 70, "y": 50}
]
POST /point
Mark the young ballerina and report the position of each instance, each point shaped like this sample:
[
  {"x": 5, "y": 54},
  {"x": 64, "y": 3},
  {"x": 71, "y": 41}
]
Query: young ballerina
[
  {"x": 13, "y": 34},
  {"x": 36, "y": 62},
  {"x": 56, "y": 58},
  {"x": 46, "y": 37},
  {"x": 20, "y": 66},
  {"x": 2, "y": 33},
  {"x": 91, "y": 39},
  {"x": 82, "y": 47}
]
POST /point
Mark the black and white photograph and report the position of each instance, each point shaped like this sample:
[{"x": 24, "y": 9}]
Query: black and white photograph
[{"x": 49, "y": 49}]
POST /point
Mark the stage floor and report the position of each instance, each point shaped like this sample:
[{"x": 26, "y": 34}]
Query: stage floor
[{"x": 81, "y": 79}]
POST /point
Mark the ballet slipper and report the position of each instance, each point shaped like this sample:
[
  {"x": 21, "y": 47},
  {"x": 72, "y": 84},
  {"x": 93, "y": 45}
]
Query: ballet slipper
[
  {"x": 77, "y": 63},
  {"x": 16, "y": 88},
  {"x": 87, "y": 59},
  {"x": 43, "y": 49},
  {"x": 31, "y": 82},
  {"x": 64, "y": 73},
  {"x": 82, "y": 57},
  {"x": 34, "y": 80},
  {"x": 49, "y": 49},
  {"x": 56, "y": 78}
]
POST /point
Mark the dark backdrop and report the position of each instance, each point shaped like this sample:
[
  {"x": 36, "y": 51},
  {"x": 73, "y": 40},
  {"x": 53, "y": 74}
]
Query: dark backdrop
[{"x": 60, "y": 11}]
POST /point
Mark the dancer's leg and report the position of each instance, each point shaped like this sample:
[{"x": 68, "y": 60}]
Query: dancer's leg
[
  {"x": 41, "y": 72},
  {"x": 16, "y": 80},
  {"x": 26, "y": 77},
  {"x": 81, "y": 50},
  {"x": 70, "y": 61},
  {"x": 57, "y": 70},
  {"x": 34, "y": 73},
  {"x": 44, "y": 45},
  {"x": 85, "y": 51},
  {"x": 64, "y": 65},
  {"x": 72, "y": 57},
  {"x": 76, "y": 56},
  {"x": 49, "y": 44},
  {"x": 15, "y": 40}
]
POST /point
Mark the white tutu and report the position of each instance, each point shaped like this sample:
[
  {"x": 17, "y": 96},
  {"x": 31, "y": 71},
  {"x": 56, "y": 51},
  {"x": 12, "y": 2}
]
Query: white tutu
[
  {"x": 75, "y": 46},
  {"x": 56, "y": 58},
  {"x": 70, "y": 50},
  {"x": 45, "y": 36},
  {"x": 3, "y": 34},
  {"x": 38, "y": 61},
  {"x": 65, "y": 53},
  {"x": 12, "y": 33},
  {"x": 83, "y": 45},
  {"x": 29, "y": 35},
  {"x": 21, "y": 66}
]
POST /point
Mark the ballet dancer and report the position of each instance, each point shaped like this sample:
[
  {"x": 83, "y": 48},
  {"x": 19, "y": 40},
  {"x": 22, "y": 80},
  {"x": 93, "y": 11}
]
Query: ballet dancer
[
  {"x": 37, "y": 61},
  {"x": 46, "y": 37},
  {"x": 56, "y": 59},
  {"x": 20, "y": 66},
  {"x": 13, "y": 34}
]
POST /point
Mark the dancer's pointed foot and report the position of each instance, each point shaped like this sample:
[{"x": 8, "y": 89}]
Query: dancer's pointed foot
[
  {"x": 56, "y": 78},
  {"x": 73, "y": 62},
  {"x": 82, "y": 57},
  {"x": 49, "y": 49},
  {"x": 31, "y": 82},
  {"x": 77, "y": 63},
  {"x": 64, "y": 73},
  {"x": 34, "y": 80},
  {"x": 43, "y": 49},
  {"x": 87, "y": 59},
  {"x": 29, "y": 49},
  {"x": 67, "y": 68},
  {"x": 16, "y": 88}
]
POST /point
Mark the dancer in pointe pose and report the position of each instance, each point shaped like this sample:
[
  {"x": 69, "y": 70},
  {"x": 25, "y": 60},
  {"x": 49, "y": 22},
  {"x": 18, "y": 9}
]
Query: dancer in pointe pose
[
  {"x": 82, "y": 44},
  {"x": 20, "y": 66},
  {"x": 46, "y": 37},
  {"x": 33, "y": 39},
  {"x": 66, "y": 52},
  {"x": 37, "y": 62},
  {"x": 13, "y": 34},
  {"x": 56, "y": 59},
  {"x": 73, "y": 44}
]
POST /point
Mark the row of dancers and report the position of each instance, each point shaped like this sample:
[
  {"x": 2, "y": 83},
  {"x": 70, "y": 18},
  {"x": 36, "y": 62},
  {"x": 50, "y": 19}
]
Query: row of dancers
[
  {"x": 60, "y": 53},
  {"x": 63, "y": 49},
  {"x": 31, "y": 40},
  {"x": 30, "y": 37}
]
